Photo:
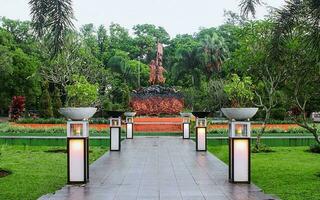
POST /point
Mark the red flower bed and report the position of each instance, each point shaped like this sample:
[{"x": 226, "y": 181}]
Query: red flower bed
[{"x": 157, "y": 105}]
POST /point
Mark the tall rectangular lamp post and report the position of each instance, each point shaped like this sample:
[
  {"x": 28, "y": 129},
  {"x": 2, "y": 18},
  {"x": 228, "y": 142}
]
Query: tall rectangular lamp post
[
  {"x": 239, "y": 151},
  {"x": 129, "y": 124},
  {"x": 115, "y": 133},
  {"x": 201, "y": 130},
  {"x": 78, "y": 151},
  {"x": 185, "y": 125}
]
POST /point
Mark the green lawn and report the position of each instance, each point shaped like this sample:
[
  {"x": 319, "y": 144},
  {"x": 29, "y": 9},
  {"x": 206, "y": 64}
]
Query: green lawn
[
  {"x": 290, "y": 173},
  {"x": 34, "y": 171}
]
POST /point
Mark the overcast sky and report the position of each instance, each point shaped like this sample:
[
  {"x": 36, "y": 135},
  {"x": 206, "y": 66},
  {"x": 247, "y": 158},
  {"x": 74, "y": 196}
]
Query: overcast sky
[{"x": 176, "y": 16}]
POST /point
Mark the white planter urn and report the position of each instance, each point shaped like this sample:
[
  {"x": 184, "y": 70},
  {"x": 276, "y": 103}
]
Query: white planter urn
[
  {"x": 129, "y": 114},
  {"x": 78, "y": 113},
  {"x": 239, "y": 113}
]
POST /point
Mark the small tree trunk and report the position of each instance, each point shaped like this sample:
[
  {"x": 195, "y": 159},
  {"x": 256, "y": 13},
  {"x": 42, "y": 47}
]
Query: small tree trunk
[
  {"x": 311, "y": 130},
  {"x": 263, "y": 128}
]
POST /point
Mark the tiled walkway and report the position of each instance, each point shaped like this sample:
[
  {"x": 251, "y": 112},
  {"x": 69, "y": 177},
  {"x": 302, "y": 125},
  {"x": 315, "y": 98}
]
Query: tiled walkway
[{"x": 152, "y": 168}]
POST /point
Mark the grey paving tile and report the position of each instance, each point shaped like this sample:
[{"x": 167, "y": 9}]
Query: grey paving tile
[{"x": 158, "y": 168}]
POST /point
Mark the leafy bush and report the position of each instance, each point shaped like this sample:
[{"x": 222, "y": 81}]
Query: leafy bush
[
  {"x": 56, "y": 102},
  {"x": 218, "y": 131},
  {"x": 81, "y": 93},
  {"x": 17, "y": 107},
  {"x": 239, "y": 91},
  {"x": 57, "y": 121},
  {"x": 279, "y": 113},
  {"x": 298, "y": 130},
  {"x": 41, "y": 121},
  {"x": 45, "y": 103},
  {"x": 261, "y": 148}
]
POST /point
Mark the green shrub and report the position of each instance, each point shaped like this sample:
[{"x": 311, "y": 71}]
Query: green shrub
[
  {"x": 239, "y": 92},
  {"x": 221, "y": 131},
  {"x": 56, "y": 102},
  {"x": 81, "y": 93},
  {"x": 57, "y": 121},
  {"x": 261, "y": 148},
  {"x": 279, "y": 113},
  {"x": 45, "y": 102}
]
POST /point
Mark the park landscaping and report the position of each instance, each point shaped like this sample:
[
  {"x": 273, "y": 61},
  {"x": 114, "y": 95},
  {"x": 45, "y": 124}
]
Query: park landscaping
[
  {"x": 35, "y": 170},
  {"x": 291, "y": 173},
  {"x": 266, "y": 70}
]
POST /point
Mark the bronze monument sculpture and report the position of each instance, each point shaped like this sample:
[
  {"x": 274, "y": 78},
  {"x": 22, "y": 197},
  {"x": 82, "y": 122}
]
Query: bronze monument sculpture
[
  {"x": 156, "y": 69},
  {"x": 157, "y": 99}
]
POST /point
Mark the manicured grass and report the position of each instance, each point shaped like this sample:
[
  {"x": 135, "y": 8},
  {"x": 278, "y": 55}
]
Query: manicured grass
[
  {"x": 290, "y": 173},
  {"x": 34, "y": 171}
]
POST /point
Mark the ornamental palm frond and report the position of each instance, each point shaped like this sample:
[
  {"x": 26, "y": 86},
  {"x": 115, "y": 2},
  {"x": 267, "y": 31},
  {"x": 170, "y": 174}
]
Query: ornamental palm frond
[
  {"x": 299, "y": 16},
  {"x": 52, "y": 19},
  {"x": 249, "y": 6}
]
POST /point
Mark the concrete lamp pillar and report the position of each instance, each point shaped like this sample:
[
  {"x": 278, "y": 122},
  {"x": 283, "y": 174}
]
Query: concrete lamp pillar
[
  {"x": 239, "y": 152},
  {"x": 78, "y": 151}
]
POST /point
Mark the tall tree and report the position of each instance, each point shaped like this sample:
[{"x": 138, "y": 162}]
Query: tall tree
[
  {"x": 147, "y": 36},
  {"x": 213, "y": 52}
]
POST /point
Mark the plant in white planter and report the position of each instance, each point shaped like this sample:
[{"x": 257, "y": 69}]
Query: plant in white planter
[
  {"x": 240, "y": 93},
  {"x": 81, "y": 97}
]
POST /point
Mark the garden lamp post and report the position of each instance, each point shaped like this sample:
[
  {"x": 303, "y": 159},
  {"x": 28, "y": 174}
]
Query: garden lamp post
[
  {"x": 115, "y": 130},
  {"x": 129, "y": 124},
  {"x": 201, "y": 130},
  {"x": 185, "y": 125},
  {"x": 78, "y": 151},
  {"x": 239, "y": 151}
]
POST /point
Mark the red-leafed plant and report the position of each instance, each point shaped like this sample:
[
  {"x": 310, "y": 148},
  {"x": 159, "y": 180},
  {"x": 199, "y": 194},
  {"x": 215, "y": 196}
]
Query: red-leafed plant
[{"x": 17, "y": 107}]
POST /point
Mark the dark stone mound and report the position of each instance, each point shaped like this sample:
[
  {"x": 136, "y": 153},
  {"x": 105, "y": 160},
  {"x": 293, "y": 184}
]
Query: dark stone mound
[
  {"x": 156, "y": 90},
  {"x": 4, "y": 173}
]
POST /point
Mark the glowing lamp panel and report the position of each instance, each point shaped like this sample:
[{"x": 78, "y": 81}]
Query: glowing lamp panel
[
  {"x": 201, "y": 138},
  {"x": 241, "y": 130},
  {"x": 115, "y": 138},
  {"x": 76, "y": 159},
  {"x": 186, "y": 132},
  {"x": 129, "y": 130},
  {"x": 241, "y": 160},
  {"x": 76, "y": 130},
  {"x": 186, "y": 120}
]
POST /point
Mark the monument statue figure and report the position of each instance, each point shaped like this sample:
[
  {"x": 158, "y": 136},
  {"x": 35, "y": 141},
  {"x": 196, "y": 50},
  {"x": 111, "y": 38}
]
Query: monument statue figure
[
  {"x": 152, "y": 75},
  {"x": 156, "y": 69}
]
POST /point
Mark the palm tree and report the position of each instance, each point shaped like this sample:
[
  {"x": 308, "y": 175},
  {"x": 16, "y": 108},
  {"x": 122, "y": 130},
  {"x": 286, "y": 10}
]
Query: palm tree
[
  {"x": 213, "y": 51},
  {"x": 249, "y": 6},
  {"x": 51, "y": 19},
  {"x": 187, "y": 62},
  {"x": 299, "y": 15}
]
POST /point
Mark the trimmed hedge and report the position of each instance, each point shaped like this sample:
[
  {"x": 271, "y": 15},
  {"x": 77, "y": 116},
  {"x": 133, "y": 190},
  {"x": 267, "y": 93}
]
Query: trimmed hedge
[{"x": 57, "y": 121}]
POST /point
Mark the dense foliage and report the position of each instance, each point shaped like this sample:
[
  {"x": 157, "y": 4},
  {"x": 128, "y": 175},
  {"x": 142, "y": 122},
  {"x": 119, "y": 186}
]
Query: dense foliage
[{"x": 284, "y": 70}]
